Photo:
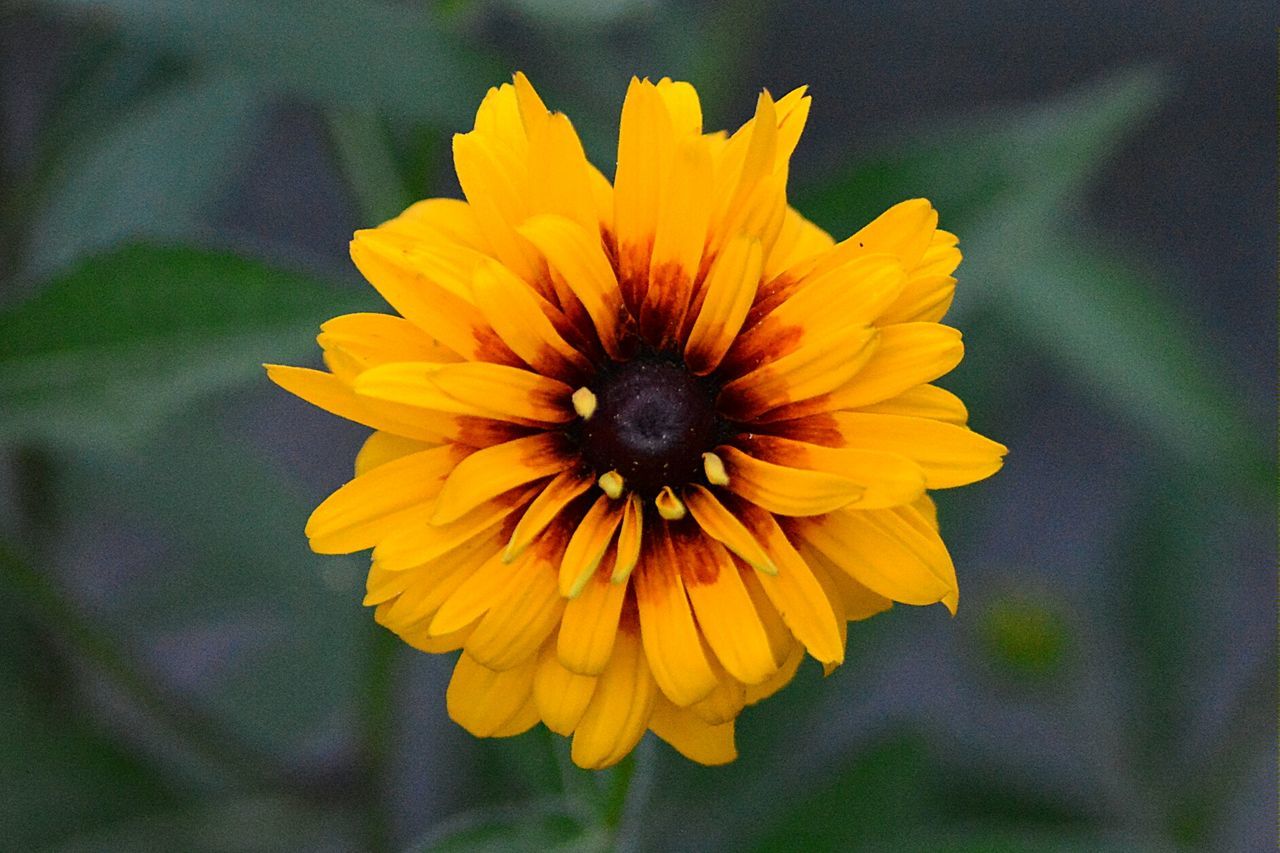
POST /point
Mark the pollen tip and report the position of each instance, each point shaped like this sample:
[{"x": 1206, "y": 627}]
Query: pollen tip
[
  {"x": 612, "y": 484},
  {"x": 670, "y": 507},
  {"x": 579, "y": 584},
  {"x": 767, "y": 567},
  {"x": 584, "y": 403},
  {"x": 713, "y": 467}
]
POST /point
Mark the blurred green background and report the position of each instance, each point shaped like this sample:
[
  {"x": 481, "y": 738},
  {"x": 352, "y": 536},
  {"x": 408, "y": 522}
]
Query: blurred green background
[{"x": 179, "y": 181}]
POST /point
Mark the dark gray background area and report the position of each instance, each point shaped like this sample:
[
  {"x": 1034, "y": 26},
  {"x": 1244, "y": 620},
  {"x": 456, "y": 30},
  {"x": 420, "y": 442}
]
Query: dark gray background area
[{"x": 1192, "y": 193}]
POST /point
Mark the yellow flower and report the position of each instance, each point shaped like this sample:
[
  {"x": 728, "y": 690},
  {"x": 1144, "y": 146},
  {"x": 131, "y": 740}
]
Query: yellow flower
[{"x": 638, "y": 447}]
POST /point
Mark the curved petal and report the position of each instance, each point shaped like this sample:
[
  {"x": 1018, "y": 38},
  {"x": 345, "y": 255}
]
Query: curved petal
[
  {"x": 367, "y": 509},
  {"x": 786, "y": 490},
  {"x": 488, "y": 473},
  {"x": 724, "y": 527},
  {"x": 619, "y": 711},
  {"x": 475, "y": 388},
  {"x": 672, "y": 642},
  {"x": 520, "y": 317},
  {"x": 795, "y": 592},
  {"x": 726, "y": 615},
  {"x": 589, "y": 627},
  {"x": 886, "y": 479},
  {"x": 892, "y": 552},
  {"x": 949, "y": 455},
  {"x": 693, "y": 738},
  {"x": 485, "y": 702},
  {"x": 562, "y": 696},
  {"x": 727, "y": 296}
]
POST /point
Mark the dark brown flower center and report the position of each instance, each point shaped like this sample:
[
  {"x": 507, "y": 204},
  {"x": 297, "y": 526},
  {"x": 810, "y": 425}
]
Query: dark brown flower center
[{"x": 653, "y": 421}]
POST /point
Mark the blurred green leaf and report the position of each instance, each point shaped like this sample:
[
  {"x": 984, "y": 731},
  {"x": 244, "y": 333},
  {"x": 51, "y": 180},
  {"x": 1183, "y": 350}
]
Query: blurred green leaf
[
  {"x": 280, "y": 631},
  {"x": 980, "y": 167},
  {"x": 350, "y": 53},
  {"x": 999, "y": 839},
  {"x": 58, "y": 775},
  {"x": 263, "y": 824},
  {"x": 1025, "y": 636},
  {"x": 129, "y": 337},
  {"x": 532, "y": 827},
  {"x": 1007, "y": 183},
  {"x": 1113, "y": 329},
  {"x": 149, "y": 174},
  {"x": 874, "y": 796},
  {"x": 364, "y": 152}
]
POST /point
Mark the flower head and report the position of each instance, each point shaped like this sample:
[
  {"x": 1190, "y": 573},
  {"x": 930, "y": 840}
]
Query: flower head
[{"x": 640, "y": 446}]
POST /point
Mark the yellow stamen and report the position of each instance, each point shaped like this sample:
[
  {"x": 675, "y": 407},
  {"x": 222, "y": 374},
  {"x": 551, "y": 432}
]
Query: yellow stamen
[
  {"x": 714, "y": 467},
  {"x": 584, "y": 403},
  {"x": 611, "y": 481},
  {"x": 670, "y": 507}
]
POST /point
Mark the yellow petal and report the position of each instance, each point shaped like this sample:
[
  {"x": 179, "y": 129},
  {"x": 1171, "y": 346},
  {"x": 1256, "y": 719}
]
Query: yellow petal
[
  {"x": 562, "y": 696},
  {"x": 892, "y": 552},
  {"x": 907, "y": 355},
  {"x": 682, "y": 104},
  {"x": 388, "y": 498},
  {"x": 546, "y": 507},
  {"x": 328, "y": 392},
  {"x": 904, "y": 231},
  {"x": 495, "y": 180},
  {"x": 485, "y": 702},
  {"x": 560, "y": 177},
  {"x": 520, "y": 317},
  {"x": 589, "y": 626},
  {"x": 924, "y": 401},
  {"x": 724, "y": 703},
  {"x": 799, "y": 240},
  {"x": 780, "y": 638},
  {"x": 671, "y": 638},
  {"x": 723, "y": 526},
  {"x": 471, "y": 388},
  {"x": 923, "y": 298},
  {"x": 525, "y": 614},
  {"x": 488, "y": 473},
  {"x": 786, "y": 490},
  {"x": 630, "y": 536},
  {"x": 476, "y": 595},
  {"x": 372, "y": 339},
  {"x": 857, "y": 601},
  {"x": 949, "y": 455},
  {"x": 577, "y": 256},
  {"x": 416, "y": 637},
  {"x": 440, "y": 221},
  {"x": 619, "y": 711},
  {"x": 849, "y": 296},
  {"x": 886, "y": 479},
  {"x": 795, "y": 592},
  {"x": 817, "y": 367},
  {"x": 780, "y": 679},
  {"x": 587, "y": 546},
  {"x": 684, "y": 208},
  {"x": 417, "y": 544},
  {"x": 383, "y": 447},
  {"x": 729, "y": 291},
  {"x": 414, "y": 289},
  {"x": 724, "y": 610},
  {"x": 429, "y": 585},
  {"x": 691, "y": 737},
  {"x": 644, "y": 133}
]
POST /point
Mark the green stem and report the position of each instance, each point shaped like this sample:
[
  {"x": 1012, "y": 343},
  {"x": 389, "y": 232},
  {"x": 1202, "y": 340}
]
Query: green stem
[
  {"x": 377, "y": 719},
  {"x": 626, "y": 812}
]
